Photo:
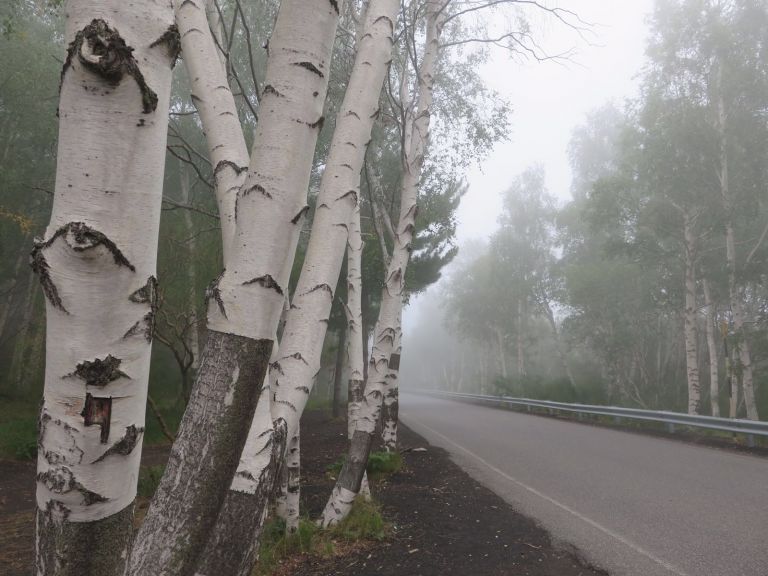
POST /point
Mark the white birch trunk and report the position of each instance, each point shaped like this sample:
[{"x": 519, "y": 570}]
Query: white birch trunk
[
  {"x": 741, "y": 345},
  {"x": 714, "y": 370},
  {"x": 354, "y": 312},
  {"x": 390, "y": 406},
  {"x": 502, "y": 352},
  {"x": 290, "y": 489},
  {"x": 96, "y": 265},
  {"x": 689, "y": 319},
  {"x": 215, "y": 103},
  {"x": 193, "y": 524},
  {"x": 339, "y": 189},
  {"x": 348, "y": 483}
]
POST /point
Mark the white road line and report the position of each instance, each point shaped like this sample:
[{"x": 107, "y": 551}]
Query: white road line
[{"x": 564, "y": 507}]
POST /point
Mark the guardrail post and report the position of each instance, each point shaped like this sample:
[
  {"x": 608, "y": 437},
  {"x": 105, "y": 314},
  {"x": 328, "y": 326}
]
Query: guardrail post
[
  {"x": 671, "y": 427},
  {"x": 528, "y": 407},
  {"x": 580, "y": 416},
  {"x": 617, "y": 420},
  {"x": 751, "y": 440}
]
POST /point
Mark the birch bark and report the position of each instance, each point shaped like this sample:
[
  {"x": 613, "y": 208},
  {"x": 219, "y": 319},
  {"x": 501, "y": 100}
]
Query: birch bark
[
  {"x": 689, "y": 318},
  {"x": 354, "y": 311},
  {"x": 96, "y": 264},
  {"x": 741, "y": 345},
  {"x": 390, "y": 401},
  {"x": 714, "y": 370},
  {"x": 244, "y": 308},
  {"x": 348, "y": 483}
]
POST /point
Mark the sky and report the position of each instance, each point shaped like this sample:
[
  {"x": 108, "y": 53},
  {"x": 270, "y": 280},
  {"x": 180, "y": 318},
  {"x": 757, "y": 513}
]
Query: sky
[{"x": 549, "y": 100}]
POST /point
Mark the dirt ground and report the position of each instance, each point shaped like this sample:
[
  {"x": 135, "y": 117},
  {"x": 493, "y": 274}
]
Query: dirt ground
[{"x": 442, "y": 522}]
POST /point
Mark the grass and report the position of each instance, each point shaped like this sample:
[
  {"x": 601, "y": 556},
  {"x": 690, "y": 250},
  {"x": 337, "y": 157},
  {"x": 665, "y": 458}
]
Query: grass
[
  {"x": 380, "y": 464},
  {"x": 364, "y": 523}
]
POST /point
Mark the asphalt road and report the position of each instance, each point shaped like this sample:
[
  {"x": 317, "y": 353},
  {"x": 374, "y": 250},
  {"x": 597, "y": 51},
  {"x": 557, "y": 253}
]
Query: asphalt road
[{"x": 630, "y": 504}]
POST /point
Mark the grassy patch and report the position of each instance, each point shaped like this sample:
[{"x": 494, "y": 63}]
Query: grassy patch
[
  {"x": 380, "y": 464},
  {"x": 364, "y": 523}
]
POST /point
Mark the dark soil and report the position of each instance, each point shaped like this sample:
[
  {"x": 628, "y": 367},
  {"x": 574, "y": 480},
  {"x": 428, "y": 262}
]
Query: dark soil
[{"x": 441, "y": 521}]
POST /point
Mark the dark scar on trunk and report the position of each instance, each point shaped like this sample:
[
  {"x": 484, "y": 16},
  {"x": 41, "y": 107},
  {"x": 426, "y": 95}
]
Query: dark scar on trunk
[
  {"x": 125, "y": 445},
  {"x": 114, "y": 59},
  {"x": 172, "y": 41},
  {"x": 265, "y": 281},
  {"x": 85, "y": 238},
  {"x": 323, "y": 286},
  {"x": 352, "y": 193},
  {"x": 212, "y": 291},
  {"x": 147, "y": 294},
  {"x": 269, "y": 89},
  {"x": 257, "y": 188},
  {"x": 98, "y": 412},
  {"x": 335, "y": 5},
  {"x": 99, "y": 372},
  {"x": 295, "y": 219},
  {"x": 311, "y": 67},
  {"x": 61, "y": 481}
]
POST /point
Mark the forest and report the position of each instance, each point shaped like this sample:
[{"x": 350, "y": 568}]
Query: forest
[
  {"x": 215, "y": 215},
  {"x": 648, "y": 287}
]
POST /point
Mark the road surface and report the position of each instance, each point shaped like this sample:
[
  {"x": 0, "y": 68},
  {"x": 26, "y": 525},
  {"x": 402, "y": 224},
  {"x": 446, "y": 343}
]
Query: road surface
[{"x": 631, "y": 504}]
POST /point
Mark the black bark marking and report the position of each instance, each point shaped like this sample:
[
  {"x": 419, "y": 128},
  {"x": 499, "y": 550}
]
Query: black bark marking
[
  {"x": 212, "y": 291},
  {"x": 40, "y": 267},
  {"x": 195, "y": 98},
  {"x": 98, "y": 412},
  {"x": 311, "y": 67},
  {"x": 322, "y": 286},
  {"x": 375, "y": 113},
  {"x": 295, "y": 219},
  {"x": 61, "y": 480},
  {"x": 172, "y": 41},
  {"x": 347, "y": 166},
  {"x": 266, "y": 281},
  {"x": 296, "y": 356},
  {"x": 355, "y": 114},
  {"x": 335, "y": 5},
  {"x": 228, "y": 163},
  {"x": 388, "y": 19},
  {"x": 351, "y": 144},
  {"x": 317, "y": 123},
  {"x": 84, "y": 238},
  {"x": 352, "y": 193},
  {"x": 286, "y": 403},
  {"x": 302, "y": 389},
  {"x": 277, "y": 368},
  {"x": 110, "y": 58},
  {"x": 342, "y": 225},
  {"x": 257, "y": 188},
  {"x": 100, "y": 372},
  {"x": 269, "y": 89},
  {"x": 394, "y": 362},
  {"x": 147, "y": 294},
  {"x": 125, "y": 445}
]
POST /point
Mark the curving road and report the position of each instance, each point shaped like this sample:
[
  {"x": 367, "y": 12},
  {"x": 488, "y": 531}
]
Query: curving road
[{"x": 634, "y": 505}]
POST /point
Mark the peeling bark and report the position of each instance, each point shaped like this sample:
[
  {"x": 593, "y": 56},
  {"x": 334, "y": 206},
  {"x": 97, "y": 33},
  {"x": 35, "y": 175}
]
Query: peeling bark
[
  {"x": 227, "y": 149},
  {"x": 350, "y": 478},
  {"x": 714, "y": 370},
  {"x": 290, "y": 486},
  {"x": 689, "y": 316},
  {"x": 198, "y": 521},
  {"x": 390, "y": 402},
  {"x": 96, "y": 255}
]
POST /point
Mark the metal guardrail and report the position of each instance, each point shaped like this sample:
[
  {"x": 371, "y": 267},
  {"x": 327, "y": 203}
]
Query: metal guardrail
[{"x": 750, "y": 428}]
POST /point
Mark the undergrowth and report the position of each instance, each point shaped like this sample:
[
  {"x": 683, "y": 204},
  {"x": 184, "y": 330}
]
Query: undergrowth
[
  {"x": 380, "y": 464},
  {"x": 364, "y": 523}
]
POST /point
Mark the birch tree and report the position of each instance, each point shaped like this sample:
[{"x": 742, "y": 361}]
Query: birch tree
[
  {"x": 351, "y": 475},
  {"x": 245, "y": 302},
  {"x": 96, "y": 265}
]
